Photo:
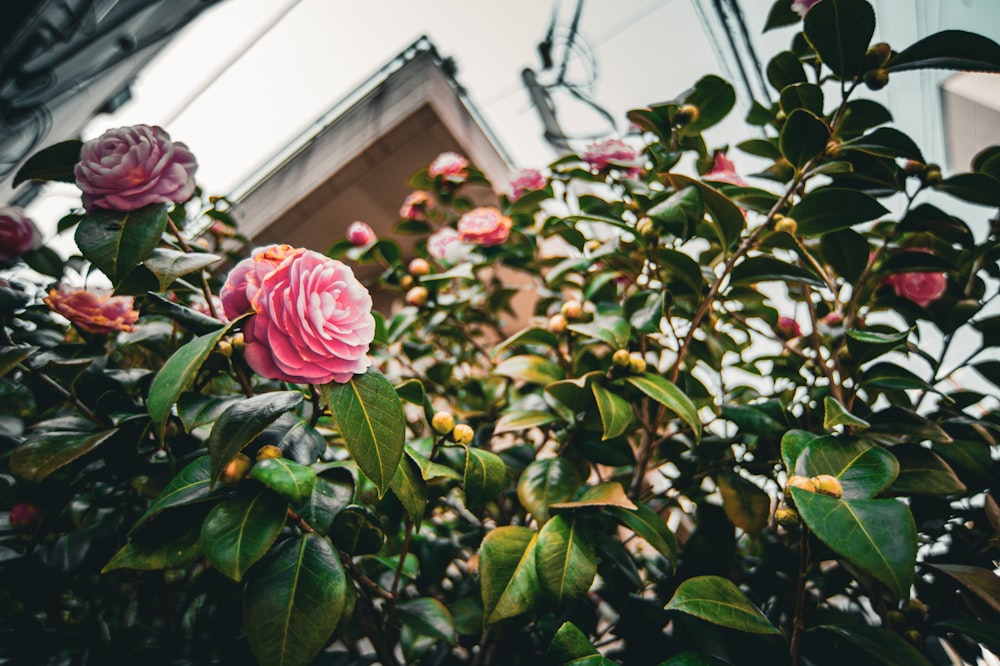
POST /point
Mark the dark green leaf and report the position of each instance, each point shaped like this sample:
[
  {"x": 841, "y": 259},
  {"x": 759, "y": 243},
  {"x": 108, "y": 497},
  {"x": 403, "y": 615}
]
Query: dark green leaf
[
  {"x": 747, "y": 506},
  {"x": 332, "y": 493},
  {"x": 835, "y": 414},
  {"x": 880, "y": 645},
  {"x": 565, "y": 560},
  {"x": 507, "y": 573},
  {"x": 289, "y": 479},
  {"x": 889, "y": 376},
  {"x": 785, "y": 70},
  {"x": 846, "y": 251},
  {"x": 803, "y": 137},
  {"x": 523, "y": 419},
  {"x": 356, "y": 531},
  {"x": 293, "y": 602},
  {"x": 680, "y": 213},
  {"x": 949, "y": 49},
  {"x": 793, "y": 443},
  {"x": 410, "y": 489},
  {"x": 168, "y": 265},
  {"x": 189, "y": 486},
  {"x": 865, "y": 345},
  {"x": 117, "y": 242},
  {"x": 806, "y": 96},
  {"x": 46, "y": 261},
  {"x": 547, "y": 481},
  {"x": 612, "y": 330},
  {"x": 55, "y": 162},
  {"x": 192, "y": 320},
  {"x": 412, "y": 391},
  {"x": 616, "y": 411},
  {"x": 569, "y": 644},
  {"x": 11, "y": 356},
  {"x": 922, "y": 472},
  {"x": 863, "y": 468},
  {"x": 765, "y": 268},
  {"x": 45, "y": 453},
  {"x": 667, "y": 394},
  {"x": 983, "y": 583},
  {"x": 830, "y": 209},
  {"x": 650, "y": 526},
  {"x": 729, "y": 219},
  {"x": 719, "y": 601},
  {"x": 977, "y": 188},
  {"x": 242, "y": 422},
  {"x": 528, "y": 336},
  {"x": 714, "y": 97},
  {"x": 427, "y": 616},
  {"x": 178, "y": 548},
  {"x": 531, "y": 369},
  {"x": 239, "y": 531},
  {"x": 485, "y": 476},
  {"x": 978, "y": 630},
  {"x": 840, "y": 32},
  {"x": 885, "y": 142}
]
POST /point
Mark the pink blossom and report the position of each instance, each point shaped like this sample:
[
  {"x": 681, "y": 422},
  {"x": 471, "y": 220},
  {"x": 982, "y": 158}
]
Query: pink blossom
[
  {"x": 526, "y": 180},
  {"x": 800, "y": 7},
  {"x": 415, "y": 205},
  {"x": 360, "y": 234},
  {"x": 440, "y": 242},
  {"x": 312, "y": 320},
  {"x": 833, "y": 318},
  {"x": 450, "y": 166},
  {"x": 724, "y": 171},
  {"x": 788, "y": 327},
  {"x": 602, "y": 154},
  {"x": 131, "y": 167},
  {"x": 921, "y": 288},
  {"x": 18, "y": 234},
  {"x": 245, "y": 278},
  {"x": 484, "y": 226},
  {"x": 92, "y": 312}
]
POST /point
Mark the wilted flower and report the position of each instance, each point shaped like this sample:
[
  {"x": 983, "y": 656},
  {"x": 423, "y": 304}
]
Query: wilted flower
[
  {"x": 484, "y": 226},
  {"x": 602, "y": 154},
  {"x": 360, "y": 234},
  {"x": 18, "y": 234},
  {"x": 130, "y": 167},
  {"x": 450, "y": 166},
  {"x": 312, "y": 320},
  {"x": 724, "y": 171},
  {"x": 800, "y": 7},
  {"x": 415, "y": 205},
  {"x": 788, "y": 327},
  {"x": 526, "y": 180},
  {"x": 92, "y": 312}
]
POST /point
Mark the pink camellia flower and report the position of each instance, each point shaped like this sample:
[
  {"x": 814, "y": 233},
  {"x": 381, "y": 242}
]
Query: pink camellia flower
[
  {"x": 130, "y": 167},
  {"x": 360, "y": 234},
  {"x": 921, "y": 288},
  {"x": 484, "y": 226},
  {"x": 24, "y": 514},
  {"x": 800, "y": 7},
  {"x": 18, "y": 234},
  {"x": 446, "y": 245},
  {"x": 450, "y": 166},
  {"x": 415, "y": 205},
  {"x": 724, "y": 171},
  {"x": 312, "y": 320},
  {"x": 526, "y": 180},
  {"x": 788, "y": 327},
  {"x": 601, "y": 154},
  {"x": 94, "y": 313}
]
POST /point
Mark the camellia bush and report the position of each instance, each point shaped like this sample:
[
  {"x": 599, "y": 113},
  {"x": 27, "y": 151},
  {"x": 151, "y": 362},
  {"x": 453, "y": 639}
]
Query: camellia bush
[{"x": 633, "y": 410}]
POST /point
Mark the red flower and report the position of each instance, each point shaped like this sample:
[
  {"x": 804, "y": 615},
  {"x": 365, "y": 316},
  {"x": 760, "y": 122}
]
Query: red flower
[
  {"x": 724, "y": 171},
  {"x": 450, "y": 166},
  {"x": 94, "y": 313},
  {"x": 360, "y": 234},
  {"x": 921, "y": 288},
  {"x": 788, "y": 327},
  {"x": 415, "y": 205},
  {"x": 526, "y": 180}
]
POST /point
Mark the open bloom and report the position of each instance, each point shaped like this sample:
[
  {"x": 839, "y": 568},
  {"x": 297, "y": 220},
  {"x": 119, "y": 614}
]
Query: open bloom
[
  {"x": 602, "y": 154},
  {"x": 415, "y": 205},
  {"x": 484, "y": 226},
  {"x": 526, "y": 180},
  {"x": 800, "y": 7},
  {"x": 446, "y": 245},
  {"x": 18, "y": 234},
  {"x": 450, "y": 166},
  {"x": 312, "y": 320},
  {"x": 921, "y": 288},
  {"x": 360, "y": 234},
  {"x": 94, "y": 313},
  {"x": 130, "y": 167},
  {"x": 724, "y": 171}
]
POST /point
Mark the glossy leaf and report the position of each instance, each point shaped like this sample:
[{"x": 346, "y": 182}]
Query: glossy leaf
[
  {"x": 983, "y": 583},
  {"x": 485, "y": 476},
  {"x": 976, "y": 188},
  {"x": 612, "y": 330},
  {"x": 846, "y": 251},
  {"x": 834, "y": 414},
  {"x": 371, "y": 421},
  {"x": 769, "y": 269},
  {"x": 866, "y": 345},
  {"x": 565, "y": 560},
  {"x": 667, "y": 394},
  {"x": 175, "y": 549},
  {"x": 544, "y": 482},
  {"x": 43, "y": 454},
  {"x": 168, "y": 265},
  {"x": 569, "y": 644},
  {"x": 728, "y": 218},
  {"x": 747, "y": 506},
  {"x": 117, "y": 242},
  {"x": 242, "y": 422},
  {"x": 784, "y": 70},
  {"x": 806, "y": 96},
  {"x": 922, "y": 472},
  {"x": 293, "y": 602},
  {"x": 239, "y": 531},
  {"x": 427, "y": 616},
  {"x": 885, "y": 142},
  {"x": 840, "y": 32},
  {"x": 863, "y": 468},
  {"x": 11, "y": 356},
  {"x": 831, "y": 208},
  {"x": 507, "y": 575},
  {"x": 189, "y": 486},
  {"x": 599, "y": 496},
  {"x": 531, "y": 369},
  {"x": 54, "y": 162},
  {"x": 880, "y": 645},
  {"x": 877, "y": 535},
  {"x": 192, "y": 320},
  {"x": 615, "y": 411},
  {"x": 803, "y": 137},
  {"x": 714, "y": 98},
  {"x": 949, "y": 49},
  {"x": 289, "y": 479},
  {"x": 332, "y": 493},
  {"x": 793, "y": 443},
  {"x": 410, "y": 489},
  {"x": 356, "y": 531},
  {"x": 523, "y": 419},
  {"x": 526, "y": 337},
  {"x": 719, "y": 601},
  {"x": 650, "y": 526},
  {"x": 177, "y": 374}
]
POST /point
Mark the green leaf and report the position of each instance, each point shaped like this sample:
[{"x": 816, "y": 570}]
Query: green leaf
[
  {"x": 840, "y": 32},
  {"x": 865, "y": 345},
  {"x": 976, "y": 188},
  {"x": 11, "y": 356},
  {"x": 681, "y": 266},
  {"x": 239, "y": 531},
  {"x": 599, "y": 496},
  {"x": 890, "y": 376},
  {"x": 177, "y": 374},
  {"x": 331, "y": 494},
  {"x": 46, "y": 261},
  {"x": 747, "y": 506},
  {"x": 117, "y": 242},
  {"x": 832, "y": 208},
  {"x": 523, "y": 419},
  {"x": 719, "y": 601},
  {"x": 180, "y": 546},
  {"x": 877, "y": 535},
  {"x": 412, "y": 391},
  {"x": 885, "y": 142},
  {"x": 754, "y": 420},
  {"x": 530, "y": 368},
  {"x": 410, "y": 489},
  {"x": 793, "y": 443},
  {"x": 860, "y": 115},
  {"x": 714, "y": 98},
  {"x": 547, "y": 481},
  {"x": 54, "y": 162},
  {"x": 293, "y": 602},
  {"x": 729, "y": 219},
  {"x": 507, "y": 574},
  {"x": 922, "y": 472},
  {"x": 616, "y": 411},
  {"x": 357, "y": 531},
  {"x": 289, "y": 479},
  {"x": 190, "y": 485},
  {"x": 803, "y": 137},
  {"x": 427, "y": 616},
  {"x": 569, "y": 644},
  {"x": 784, "y": 70},
  {"x": 978, "y": 630},
  {"x": 650, "y": 526},
  {"x": 242, "y": 422},
  {"x": 806, "y": 96},
  {"x": 612, "y": 330},
  {"x": 485, "y": 476},
  {"x": 192, "y": 320},
  {"x": 565, "y": 560},
  {"x": 765, "y": 268},
  {"x": 695, "y": 658},
  {"x": 949, "y": 49},
  {"x": 846, "y": 251},
  {"x": 47, "y": 452},
  {"x": 371, "y": 421},
  {"x": 667, "y": 394},
  {"x": 680, "y": 213},
  {"x": 881, "y": 645},
  {"x": 983, "y": 583},
  {"x": 527, "y": 336},
  {"x": 834, "y": 414},
  {"x": 863, "y": 468},
  {"x": 168, "y": 265}
]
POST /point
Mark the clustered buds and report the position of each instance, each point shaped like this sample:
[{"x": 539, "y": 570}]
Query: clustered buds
[
  {"x": 417, "y": 296},
  {"x": 443, "y": 423},
  {"x": 236, "y": 469},
  {"x": 824, "y": 484},
  {"x": 463, "y": 434},
  {"x": 785, "y": 224},
  {"x": 419, "y": 267},
  {"x": 269, "y": 451},
  {"x": 686, "y": 114},
  {"x": 571, "y": 310}
]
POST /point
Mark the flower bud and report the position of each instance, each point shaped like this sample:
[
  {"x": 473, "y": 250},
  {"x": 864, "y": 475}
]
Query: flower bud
[
  {"x": 787, "y": 225},
  {"x": 914, "y": 167},
  {"x": 620, "y": 358},
  {"x": 406, "y": 281},
  {"x": 269, "y": 451},
  {"x": 572, "y": 310},
  {"x": 239, "y": 342},
  {"x": 24, "y": 514},
  {"x": 360, "y": 234},
  {"x": 463, "y": 434},
  {"x": 417, "y": 296},
  {"x": 786, "y": 516},
  {"x": 236, "y": 469},
  {"x": 443, "y": 423},
  {"x": 877, "y": 55},
  {"x": 803, "y": 482},
  {"x": 636, "y": 363},
  {"x": 686, "y": 114},
  {"x": 876, "y": 79},
  {"x": 788, "y": 327},
  {"x": 419, "y": 267},
  {"x": 828, "y": 485},
  {"x": 932, "y": 175},
  {"x": 225, "y": 348},
  {"x": 557, "y": 323},
  {"x": 645, "y": 228}
]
